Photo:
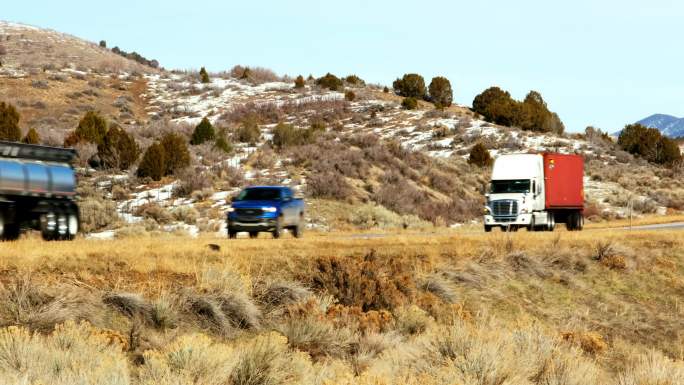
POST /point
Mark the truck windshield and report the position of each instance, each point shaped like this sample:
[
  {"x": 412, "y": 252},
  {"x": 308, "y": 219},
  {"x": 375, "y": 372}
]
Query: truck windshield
[
  {"x": 259, "y": 194},
  {"x": 510, "y": 186}
]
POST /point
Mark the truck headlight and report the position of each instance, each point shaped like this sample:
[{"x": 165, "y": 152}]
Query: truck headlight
[
  {"x": 231, "y": 209},
  {"x": 487, "y": 210},
  {"x": 523, "y": 211},
  {"x": 269, "y": 209}
]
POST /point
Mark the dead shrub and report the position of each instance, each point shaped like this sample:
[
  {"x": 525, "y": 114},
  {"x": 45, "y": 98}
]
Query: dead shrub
[
  {"x": 316, "y": 336},
  {"x": 208, "y": 312},
  {"x": 281, "y": 293},
  {"x": 438, "y": 285},
  {"x": 129, "y": 304},
  {"x": 370, "y": 282},
  {"x": 590, "y": 342},
  {"x": 155, "y": 212},
  {"x": 185, "y": 214},
  {"x": 97, "y": 213},
  {"x": 614, "y": 262},
  {"x": 353, "y": 317},
  {"x": 329, "y": 185},
  {"x": 256, "y": 75},
  {"x": 190, "y": 180},
  {"x": 412, "y": 320},
  {"x": 223, "y": 312}
]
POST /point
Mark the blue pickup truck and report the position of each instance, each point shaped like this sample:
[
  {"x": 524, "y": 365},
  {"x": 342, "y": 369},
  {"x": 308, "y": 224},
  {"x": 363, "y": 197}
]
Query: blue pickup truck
[{"x": 266, "y": 209}]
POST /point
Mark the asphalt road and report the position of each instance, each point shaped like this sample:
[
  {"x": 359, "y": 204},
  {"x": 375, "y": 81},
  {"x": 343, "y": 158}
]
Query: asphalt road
[
  {"x": 661, "y": 226},
  {"x": 656, "y": 227}
]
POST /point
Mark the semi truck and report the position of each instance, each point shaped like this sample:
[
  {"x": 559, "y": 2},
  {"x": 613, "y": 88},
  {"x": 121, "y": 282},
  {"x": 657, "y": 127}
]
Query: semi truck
[
  {"x": 536, "y": 191},
  {"x": 37, "y": 191},
  {"x": 266, "y": 209}
]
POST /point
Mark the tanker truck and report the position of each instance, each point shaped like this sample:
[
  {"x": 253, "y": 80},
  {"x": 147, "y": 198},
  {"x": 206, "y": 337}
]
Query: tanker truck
[
  {"x": 536, "y": 191},
  {"x": 37, "y": 191}
]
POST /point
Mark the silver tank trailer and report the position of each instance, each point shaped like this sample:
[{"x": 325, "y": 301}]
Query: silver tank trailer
[{"x": 37, "y": 190}]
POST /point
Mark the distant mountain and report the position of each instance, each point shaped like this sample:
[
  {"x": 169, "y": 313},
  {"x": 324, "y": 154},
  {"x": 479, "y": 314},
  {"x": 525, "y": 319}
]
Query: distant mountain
[{"x": 667, "y": 124}]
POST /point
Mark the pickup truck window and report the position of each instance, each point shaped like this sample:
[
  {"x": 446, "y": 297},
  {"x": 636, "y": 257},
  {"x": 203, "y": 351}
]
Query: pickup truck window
[
  {"x": 510, "y": 186},
  {"x": 259, "y": 194}
]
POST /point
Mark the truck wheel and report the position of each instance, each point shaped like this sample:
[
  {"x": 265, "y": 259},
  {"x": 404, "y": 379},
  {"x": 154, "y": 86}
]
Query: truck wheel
[
  {"x": 48, "y": 226},
  {"x": 297, "y": 230},
  {"x": 487, "y": 228},
  {"x": 232, "y": 234},
  {"x": 73, "y": 224},
  {"x": 253, "y": 234},
  {"x": 550, "y": 222},
  {"x": 532, "y": 226},
  {"x": 9, "y": 231},
  {"x": 278, "y": 231},
  {"x": 572, "y": 222},
  {"x": 62, "y": 227}
]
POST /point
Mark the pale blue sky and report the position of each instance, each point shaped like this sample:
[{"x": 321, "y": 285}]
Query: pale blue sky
[{"x": 602, "y": 62}]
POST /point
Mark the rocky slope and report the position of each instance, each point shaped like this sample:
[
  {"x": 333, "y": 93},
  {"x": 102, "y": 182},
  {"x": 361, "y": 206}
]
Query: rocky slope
[{"x": 374, "y": 163}]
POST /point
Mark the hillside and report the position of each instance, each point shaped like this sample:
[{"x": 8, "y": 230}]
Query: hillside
[
  {"x": 669, "y": 125},
  {"x": 368, "y": 163},
  {"x": 53, "y": 78}
]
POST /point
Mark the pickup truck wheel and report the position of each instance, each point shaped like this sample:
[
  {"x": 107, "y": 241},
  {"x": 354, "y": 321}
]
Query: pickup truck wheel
[
  {"x": 487, "y": 228},
  {"x": 278, "y": 231},
  {"x": 297, "y": 231},
  {"x": 232, "y": 234},
  {"x": 253, "y": 234}
]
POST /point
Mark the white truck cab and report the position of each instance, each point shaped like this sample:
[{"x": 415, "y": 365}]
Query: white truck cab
[{"x": 516, "y": 192}]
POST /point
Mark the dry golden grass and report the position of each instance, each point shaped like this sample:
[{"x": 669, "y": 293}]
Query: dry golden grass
[{"x": 442, "y": 307}]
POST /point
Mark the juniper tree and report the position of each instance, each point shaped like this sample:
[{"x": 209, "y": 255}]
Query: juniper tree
[
  {"x": 9, "y": 122},
  {"x": 31, "y": 137},
  {"x": 153, "y": 163},
  {"x": 441, "y": 93},
  {"x": 203, "y": 132},
  {"x": 204, "y": 76}
]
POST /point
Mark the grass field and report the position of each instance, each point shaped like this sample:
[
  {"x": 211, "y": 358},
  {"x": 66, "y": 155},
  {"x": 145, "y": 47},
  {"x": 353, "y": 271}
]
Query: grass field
[{"x": 453, "y": 307}]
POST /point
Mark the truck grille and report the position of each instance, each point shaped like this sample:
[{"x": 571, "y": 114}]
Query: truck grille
[
  {"x": 505, "y": 208},
  {"x": 249, "y": 212}
]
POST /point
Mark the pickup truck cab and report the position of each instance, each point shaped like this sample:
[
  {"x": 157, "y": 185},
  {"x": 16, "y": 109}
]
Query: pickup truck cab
[{"x": 266, "y": 209}]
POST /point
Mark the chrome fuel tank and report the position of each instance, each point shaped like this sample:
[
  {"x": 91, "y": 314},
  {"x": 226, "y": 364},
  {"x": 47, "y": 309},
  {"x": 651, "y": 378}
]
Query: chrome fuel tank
[
  {"x": 22, "y": 177},
  {"x": 31, "y": 170}
]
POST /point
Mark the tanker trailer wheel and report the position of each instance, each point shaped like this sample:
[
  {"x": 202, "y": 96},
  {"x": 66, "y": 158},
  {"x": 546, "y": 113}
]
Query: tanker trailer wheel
[
  {"x": 73, "y": 225},
  {"x": 8, "y": 231},
  {"x": 62, "y": 226},
  {"x": 48, "y": 226}
]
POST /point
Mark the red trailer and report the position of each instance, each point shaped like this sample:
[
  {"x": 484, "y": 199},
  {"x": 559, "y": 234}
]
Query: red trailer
[{"x": 564, "y": 187}]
